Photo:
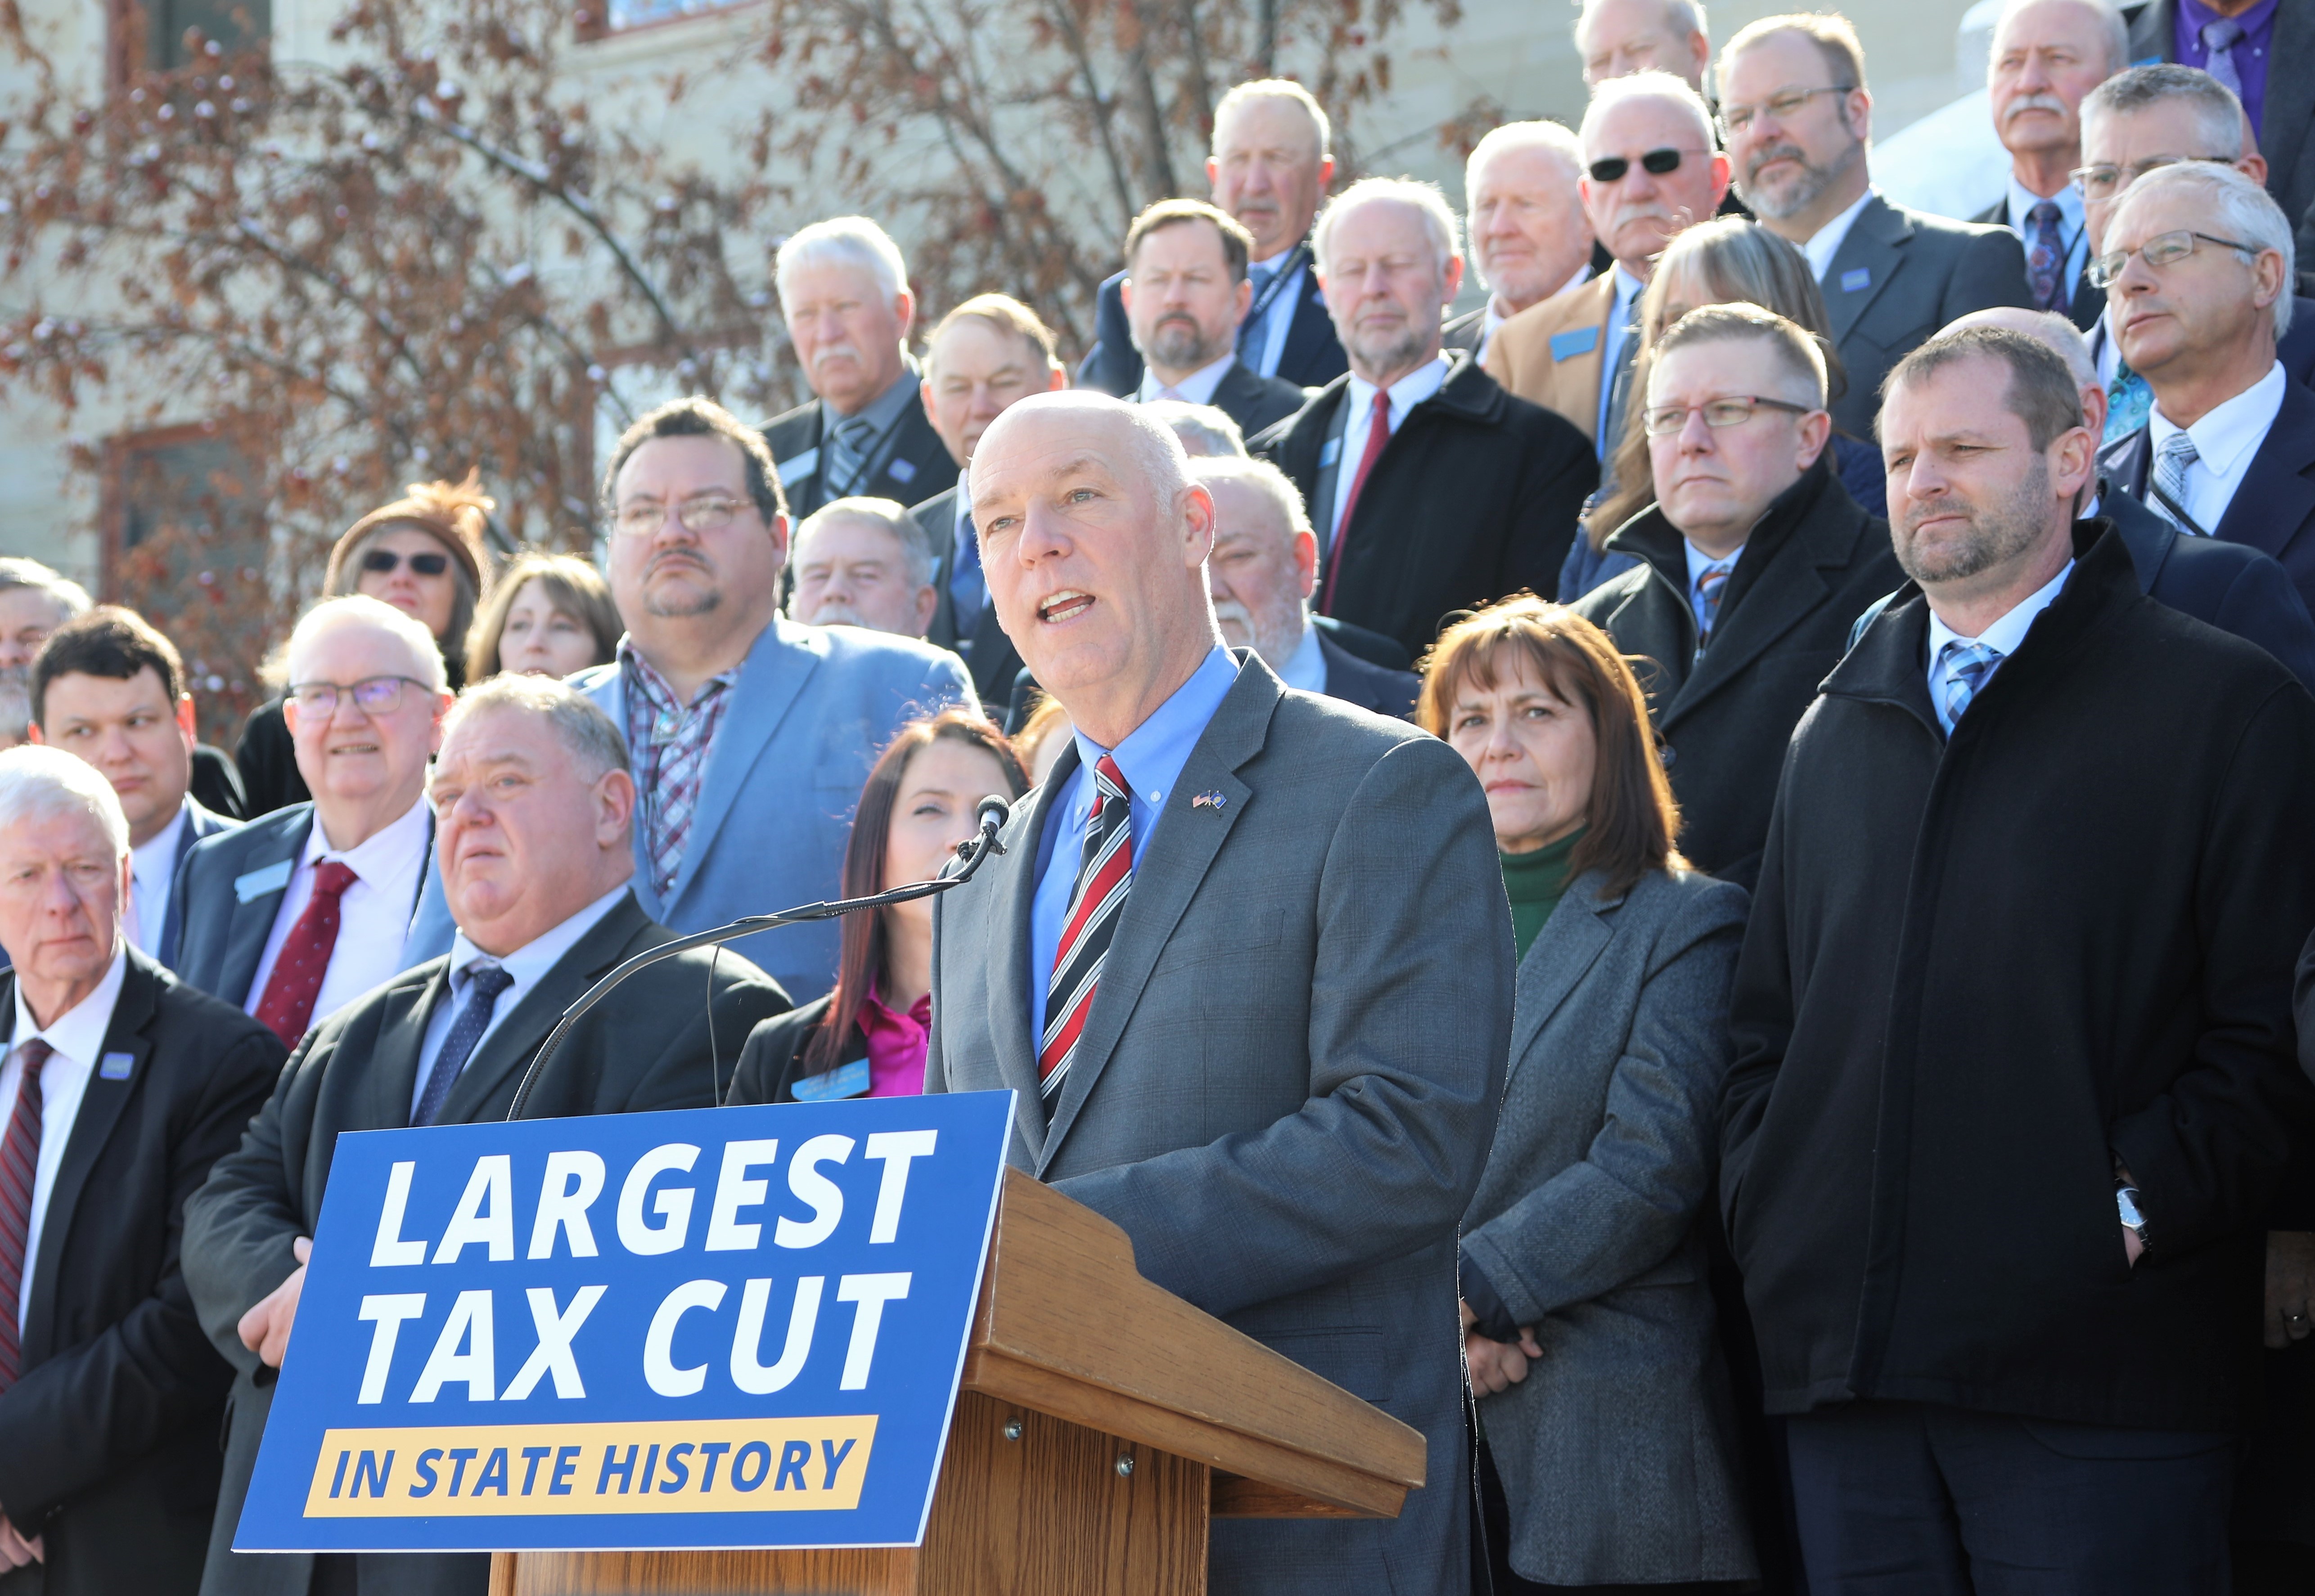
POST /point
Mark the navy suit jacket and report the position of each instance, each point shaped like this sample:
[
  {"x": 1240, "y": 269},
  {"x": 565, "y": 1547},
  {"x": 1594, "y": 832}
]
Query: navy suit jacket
[
  {"x": 197, "y": 824},
  {"x": 1312, "y": 359},
  {"x": 1353, "y": 680},
  {"x": 2274, "y": 510},
  {"x": 222, "y": 934}
]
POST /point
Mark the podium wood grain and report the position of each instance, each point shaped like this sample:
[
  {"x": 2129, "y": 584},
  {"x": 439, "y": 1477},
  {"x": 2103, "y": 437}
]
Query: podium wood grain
[{"x": 1092, "y": 1365}]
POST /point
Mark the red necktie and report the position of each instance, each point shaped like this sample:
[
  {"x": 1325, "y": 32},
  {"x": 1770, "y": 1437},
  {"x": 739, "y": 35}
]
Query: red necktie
[
  {"x": 1377, "y": 435},
  {"x": 19, "y": 1164},
  {"x": 1105, "y": 875},
  {"x": 288, "y": 1006}
]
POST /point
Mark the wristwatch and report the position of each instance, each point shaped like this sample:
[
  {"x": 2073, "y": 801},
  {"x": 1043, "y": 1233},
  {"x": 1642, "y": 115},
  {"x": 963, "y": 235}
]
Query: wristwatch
[{"x": 2125, "y": 1202}]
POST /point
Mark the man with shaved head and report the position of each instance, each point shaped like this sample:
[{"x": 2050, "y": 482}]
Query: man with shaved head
[{"x": 1288, "y": 1150}]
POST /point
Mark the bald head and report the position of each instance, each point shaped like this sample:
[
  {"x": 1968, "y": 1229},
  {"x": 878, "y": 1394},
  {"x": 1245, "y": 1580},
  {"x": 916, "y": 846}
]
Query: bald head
[
  {"x": 1093, "y": 540},
  {"x": 2061, "y": 338}
]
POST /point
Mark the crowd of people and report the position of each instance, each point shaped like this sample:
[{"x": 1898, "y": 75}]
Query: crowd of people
[{"x": 1732, "y": 821}]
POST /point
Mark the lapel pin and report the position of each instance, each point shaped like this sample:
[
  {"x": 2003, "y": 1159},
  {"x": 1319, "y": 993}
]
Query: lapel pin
[
  {"x": 115, "y": 1067},
  {"x": 1213, "y": 800}
]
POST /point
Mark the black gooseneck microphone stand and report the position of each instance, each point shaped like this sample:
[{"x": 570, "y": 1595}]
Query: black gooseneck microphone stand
[{"x": 992, "y": 814}]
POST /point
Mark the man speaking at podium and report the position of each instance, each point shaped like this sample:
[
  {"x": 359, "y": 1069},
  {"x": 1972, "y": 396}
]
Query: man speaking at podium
[
  {"x": 532, "y": 801},
  {"x": 1246, "y": 960}
]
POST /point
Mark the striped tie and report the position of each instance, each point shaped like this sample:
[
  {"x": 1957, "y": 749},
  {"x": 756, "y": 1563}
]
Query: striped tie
[
  {"x": 2171, "y": 465},
  {"x": 1711, "y": 584},
  {"x": 1968, "y": 665},
  {"x": 20, "y": 1163},
  {"x": 1105, "y": 876}
]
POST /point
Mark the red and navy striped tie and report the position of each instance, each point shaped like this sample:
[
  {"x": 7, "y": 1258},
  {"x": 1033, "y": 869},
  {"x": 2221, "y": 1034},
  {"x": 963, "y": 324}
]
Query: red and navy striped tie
[
  {"x": 1105, "y": 876},
  {"x": 19, "y": 1164}
]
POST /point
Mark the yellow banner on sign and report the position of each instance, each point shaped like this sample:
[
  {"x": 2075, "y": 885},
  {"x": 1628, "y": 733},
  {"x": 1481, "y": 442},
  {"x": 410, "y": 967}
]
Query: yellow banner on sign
[{"x": 506, "y": 1470}]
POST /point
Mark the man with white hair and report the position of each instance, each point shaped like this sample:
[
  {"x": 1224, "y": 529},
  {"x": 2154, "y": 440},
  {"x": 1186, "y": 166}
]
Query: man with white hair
[
  {"x": 1261, "y": 573},
  {"x": 844, "y": 292},
  {"x": 2197, "y": 268},
  {"x": 300, "y": 912},
  {"x": 2047, "y": 55},
  {"x": 1796, "y": 113},
  {"x": 1273, "y": 158},
  {"x": 533, "y": 798},
  {"x": 1430, "y": 489},
  {"x": 1650, "y": 170},
  {"x": 119, "y": 1087},
  {"x": 1302, "y": 898},
  {"x": 1617, "y": 37},
  {"x": 863, "y": 563},
  {"x": 1523, "y": 203},
  {"x": 1203, "y": 430}
]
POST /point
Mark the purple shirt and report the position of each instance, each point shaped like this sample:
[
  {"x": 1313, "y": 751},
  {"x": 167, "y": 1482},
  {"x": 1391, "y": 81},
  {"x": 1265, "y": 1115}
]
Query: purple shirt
[
  {"x": 2250, "y": 52},
  {"x": 896, "y": 1045}
]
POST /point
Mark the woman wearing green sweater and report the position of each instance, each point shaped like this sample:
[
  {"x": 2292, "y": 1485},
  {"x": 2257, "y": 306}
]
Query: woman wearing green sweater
[{"x": 1609, "y": 1453}]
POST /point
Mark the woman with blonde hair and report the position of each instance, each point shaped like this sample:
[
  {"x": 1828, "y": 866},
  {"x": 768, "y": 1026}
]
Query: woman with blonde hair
[
  {"x": 1609, "y": 1457},
  {"x": 1727, "y": 259}
]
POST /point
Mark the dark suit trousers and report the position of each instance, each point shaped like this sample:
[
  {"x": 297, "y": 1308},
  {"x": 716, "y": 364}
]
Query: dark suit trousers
[{"x": 1908, "y": 1498}]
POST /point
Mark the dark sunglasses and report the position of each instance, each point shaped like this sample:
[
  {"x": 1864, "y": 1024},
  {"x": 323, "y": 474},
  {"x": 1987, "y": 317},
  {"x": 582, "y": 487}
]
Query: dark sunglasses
[
  {"x": 1655, "y": 162},
  {"x": 382, "y": 561}
]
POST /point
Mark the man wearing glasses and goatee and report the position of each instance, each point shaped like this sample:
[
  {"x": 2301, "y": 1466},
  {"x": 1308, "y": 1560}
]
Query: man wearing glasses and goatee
[{"x": 299, "y": 913}]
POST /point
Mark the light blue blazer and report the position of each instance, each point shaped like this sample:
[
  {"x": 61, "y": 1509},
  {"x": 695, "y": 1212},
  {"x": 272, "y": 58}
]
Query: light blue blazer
[{"x": 814, "y": 707}]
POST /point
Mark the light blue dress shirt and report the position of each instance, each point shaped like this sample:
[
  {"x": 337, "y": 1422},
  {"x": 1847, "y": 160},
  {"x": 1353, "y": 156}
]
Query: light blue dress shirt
[
  {"x": 2003, "y": 637},
  {"x": 1151, "y": 758}
]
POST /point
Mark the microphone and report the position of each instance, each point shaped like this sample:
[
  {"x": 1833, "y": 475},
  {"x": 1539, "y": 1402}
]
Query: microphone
[{"x": 991, "y": 814}]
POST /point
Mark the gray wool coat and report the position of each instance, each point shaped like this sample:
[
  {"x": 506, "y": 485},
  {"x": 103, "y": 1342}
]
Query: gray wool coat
[{"x": 1617, "y": 1452}]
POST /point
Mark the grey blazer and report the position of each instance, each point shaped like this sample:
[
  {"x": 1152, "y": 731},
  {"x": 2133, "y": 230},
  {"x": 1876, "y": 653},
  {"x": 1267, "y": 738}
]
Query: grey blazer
[
  {"x": 1618, "y": 1451},
  {"x": 1287, "y": 1080}
]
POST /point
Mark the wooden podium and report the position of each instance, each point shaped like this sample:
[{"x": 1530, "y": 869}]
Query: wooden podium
[{"x": 1103, "y": 1422}]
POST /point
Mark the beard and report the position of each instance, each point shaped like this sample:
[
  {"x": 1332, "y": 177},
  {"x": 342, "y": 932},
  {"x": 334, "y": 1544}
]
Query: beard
[
  {"x": 1275, "y": 634},
  {"x": 1389, "y": 350},
  {"x": 1795, "y": 194},
  {"x": 1179, "y": 344},
  {"x": 1998, "y": 531}
]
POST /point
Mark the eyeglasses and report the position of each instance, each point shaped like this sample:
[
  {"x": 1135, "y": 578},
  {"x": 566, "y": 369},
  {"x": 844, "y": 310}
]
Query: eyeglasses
[
  {"x": 2164, "y": 249},
  {"x": 2105, "y": 180},
  {"x": 708, "y": 513},
  {"x": 1656, "y": 162},
  {"x": 379, "y": 562},
  {"x": 373, "y": 695},
  {"x": 1662, "y": 421},
  {"x": 1784, "y": 105}
]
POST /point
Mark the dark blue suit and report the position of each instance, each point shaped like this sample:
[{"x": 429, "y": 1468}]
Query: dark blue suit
[
  {"x": 1312, "y": 359},
  {"x": 2274, "y": 509}
]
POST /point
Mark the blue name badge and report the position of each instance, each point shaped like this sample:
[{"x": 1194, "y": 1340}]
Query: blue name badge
[
  {"x": 797, "y": 467},
  {"x": 1856, "y": 279},
  {"x": 115, "y": 1067},
  {"x": 1577, "y": 340},
  {"x": 901, "y": 471},
  {"x": 1330, "y": 452},
  {"x": 716, "y": 1328},
  {"x": 257, "y": 883},
  {"x": 846, "y": 1080}
]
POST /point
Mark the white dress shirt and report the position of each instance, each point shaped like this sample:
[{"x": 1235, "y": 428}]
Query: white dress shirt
[
  {"x": 1627, "y": 291},
  {"x": 1279, "y": 318},
  {"x": 77, "y": 1035},
  {"x": 526, "y": 965},
  {"x": 1197, "y": 389},
  {"x": 2003, "y": 637},
  {"x": 1305, "y": 668},
  {"x": 2225, "y": 441},
  {"x": 1406, "y": 394},
  {"x": 373, "y": 916},
  {"x": 1826, "y": 241},
  {"x": 2073, "y": 231},
  {"x": 151, "y": 868}
]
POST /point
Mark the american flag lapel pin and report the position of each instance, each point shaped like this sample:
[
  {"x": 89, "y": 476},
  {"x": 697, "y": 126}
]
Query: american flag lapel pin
[{"x": 1213, "y": 800}]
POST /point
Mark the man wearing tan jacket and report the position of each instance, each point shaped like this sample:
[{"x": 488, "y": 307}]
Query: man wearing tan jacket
[{"x": 1651, "y": 168}]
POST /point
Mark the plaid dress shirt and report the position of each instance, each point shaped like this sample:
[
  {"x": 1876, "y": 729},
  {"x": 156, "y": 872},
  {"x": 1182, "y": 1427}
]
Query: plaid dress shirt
[{"x": 669, "y": 743}]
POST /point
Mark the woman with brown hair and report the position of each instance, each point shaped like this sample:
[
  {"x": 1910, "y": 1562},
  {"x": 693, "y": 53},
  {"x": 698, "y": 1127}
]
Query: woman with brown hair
[
  {"x": 1730, "y": 260},
  {"x": 550, "y": 615},
  {"x": 1609, "y": 1449},
  {"x": 867, "y": 1037}
]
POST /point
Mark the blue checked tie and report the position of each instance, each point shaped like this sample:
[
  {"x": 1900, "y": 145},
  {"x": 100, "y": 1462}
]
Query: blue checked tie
[
  {"x": 2045, "y": 262},
  {"x": 2128, "y": 401},
  {"x": 484, "y": 982},
  {"x": 2170, "y": 465},
  {"x": 1968, "y": 665}
]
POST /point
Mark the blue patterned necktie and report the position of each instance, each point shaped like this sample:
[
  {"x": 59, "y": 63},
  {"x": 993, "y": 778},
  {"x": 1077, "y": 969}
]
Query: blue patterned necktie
[
  {"x": 1711, "y": 584},
  {"x": 2178, "y": 452},
  {"x": 1251, "y": 331},
  {"x": 2220, "y": 37},
  {"x": 849, "y": 444},
  {"x": 2045, "y": 262},
  {"x": 2128, "y": 401},
  {"x": 1968, "y": 665},
  {"x": 484, "y": 982}
]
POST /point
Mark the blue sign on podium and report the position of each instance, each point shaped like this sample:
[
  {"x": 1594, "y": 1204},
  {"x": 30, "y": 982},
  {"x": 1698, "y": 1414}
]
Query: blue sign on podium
[{"x": 718, "y": 1328}]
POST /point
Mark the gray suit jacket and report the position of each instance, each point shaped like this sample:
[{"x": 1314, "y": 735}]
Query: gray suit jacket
[
  {"x": 1287, "y": 1080},
  {"x": 1618, "y": 1451},
  {"x": 198, "y": 825},
  {"x": 1897, "y": 277}
]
